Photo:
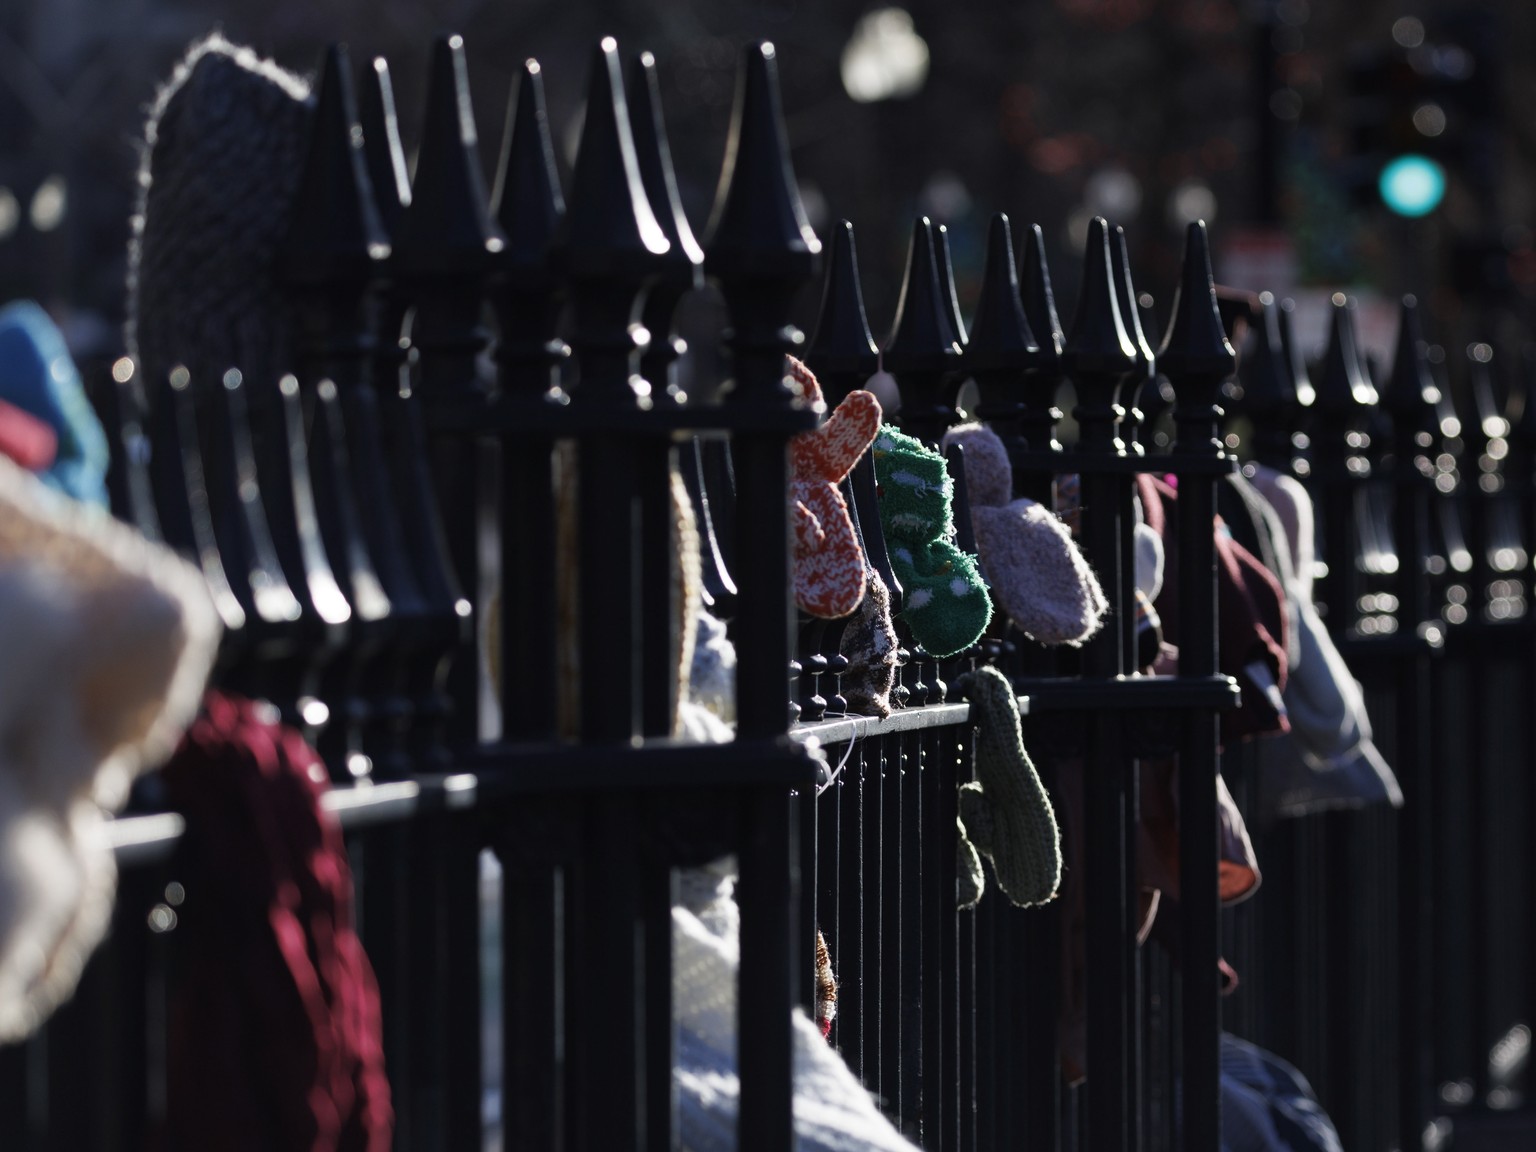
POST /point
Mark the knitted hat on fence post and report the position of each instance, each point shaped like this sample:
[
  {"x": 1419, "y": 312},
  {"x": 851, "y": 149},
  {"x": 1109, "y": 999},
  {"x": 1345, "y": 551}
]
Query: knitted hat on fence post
[{"x": 222, "y": 156}]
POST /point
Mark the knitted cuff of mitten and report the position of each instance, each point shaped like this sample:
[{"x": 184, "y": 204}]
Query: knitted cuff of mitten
[{"x": 1006, "y": 811}]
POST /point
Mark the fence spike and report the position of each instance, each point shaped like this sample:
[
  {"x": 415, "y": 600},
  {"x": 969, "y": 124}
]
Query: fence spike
[
  {"x": 1345, "y": 386},
  {"x": 683, "y": 267},
  {"x": 1130, "y": 318},
  {"x": 922, "y": 349},
  {"x": 609, "y": 228},
  {"x": 1295, "y": 357},
  {"x": 381, "y": 145},
  {"x": 1269, "y": 392},
  {"x": 1195, "y": 354},
  {"x": 1410, "y": 394},
  {"x": 1038, "y": 298},
  {"x": 447, "y": 230},
  {"x": 1196, "y": 343},
  {"x": 610, "y": 242},
  {"x": 842, "y": 353},
  {"x": 949, "y": 297},
  {"x": 758, "y": 223},
  {"x": 526, "y": 201},
  {"x": 1098, "y": 343},
  {"x": 335, "y": 234},
  {"x": 1001, "y": 338},
  {"x": 528, "y": 208}
]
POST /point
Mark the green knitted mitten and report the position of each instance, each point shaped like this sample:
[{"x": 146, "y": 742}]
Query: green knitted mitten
[
  {"x": 944, "y": 599},
  {"x": 1006, "y": 811},
  {"x": 970, "y": 880}
]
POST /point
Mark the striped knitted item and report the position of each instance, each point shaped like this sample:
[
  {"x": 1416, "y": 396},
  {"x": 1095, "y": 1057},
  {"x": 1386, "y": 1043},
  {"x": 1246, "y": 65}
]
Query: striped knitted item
[
  {"x": 829, "y": 563},
  {"x": 1006, "y": 810},
  {"x": 944, "y": 600}
]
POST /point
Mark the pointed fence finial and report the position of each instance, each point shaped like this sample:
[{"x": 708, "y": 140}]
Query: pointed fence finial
[
  {"x": 381, "y": 145},
  {"x": 947, "y": 284},
  {"x": 610, "y": 228},
  {"x": 1130, "y": 318},
  {"x": 1345, "y": 386},
  {"x": 1411, "y": 393},
  {"x": 682, "y": 269},
  {"x": 922, "y": 349},
  {"x": 334, "y": 235},
  {"x": 529, "y": 208},
  {"x": 1099, "y": 354},
  {"x": 760, "y": 247},
  {"x": 447, "y": 230},
  {"x": 1269, "y": 392},
  {"x": 1196, "y": 355},
  {"x": 1037, "y": 297},
  {"x": 527, "y": 200},
  {"x": 842, "y": 353},
  {"x": 1001, "y": 337}
]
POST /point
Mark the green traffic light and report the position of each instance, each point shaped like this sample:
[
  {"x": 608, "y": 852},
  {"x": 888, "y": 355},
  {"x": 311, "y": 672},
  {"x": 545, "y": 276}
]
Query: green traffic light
[{"x": 1412, "y": 185}]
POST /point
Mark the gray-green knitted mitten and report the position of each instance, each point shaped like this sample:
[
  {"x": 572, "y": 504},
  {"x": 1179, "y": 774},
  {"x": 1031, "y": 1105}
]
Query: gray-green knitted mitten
[
  {"x": 970, "y": 880},
  {"x": 1006, "y": 811}
]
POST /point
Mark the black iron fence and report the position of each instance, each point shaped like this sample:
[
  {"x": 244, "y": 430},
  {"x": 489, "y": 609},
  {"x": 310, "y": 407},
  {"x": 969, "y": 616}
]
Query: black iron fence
[{"x": 357, "y": 519}]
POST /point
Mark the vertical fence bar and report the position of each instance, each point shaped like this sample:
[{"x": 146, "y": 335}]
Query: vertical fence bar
[
  {"x": 1197, "y": 359},
  {"x": 1409, "y": 401},
  {"x": 1098, "y": 356},
  {"x": 608, "y": 246},
  {"x": 760, "y": 249}
]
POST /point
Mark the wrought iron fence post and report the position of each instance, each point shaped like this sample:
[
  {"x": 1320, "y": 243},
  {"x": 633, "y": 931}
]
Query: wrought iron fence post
[
  {"x": 1197, "y": 359},
  {"x": 760, "y": 249},
  {"x": 1098, "y": 356}
]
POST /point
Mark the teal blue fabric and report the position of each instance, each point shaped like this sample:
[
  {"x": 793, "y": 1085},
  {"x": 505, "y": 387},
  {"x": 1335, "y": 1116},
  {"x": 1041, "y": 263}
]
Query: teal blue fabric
[{"x": 38, "y": 376}]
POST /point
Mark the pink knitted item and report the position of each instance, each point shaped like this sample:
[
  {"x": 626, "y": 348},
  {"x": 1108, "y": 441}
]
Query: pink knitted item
[
  {"x": 1034, "y": 568},
  {"x": 829, "y": 563}
]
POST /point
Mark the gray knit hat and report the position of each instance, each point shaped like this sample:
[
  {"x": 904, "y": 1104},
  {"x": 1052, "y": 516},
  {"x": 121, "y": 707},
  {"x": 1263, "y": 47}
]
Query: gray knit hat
[{"x": 222, "y": 157}]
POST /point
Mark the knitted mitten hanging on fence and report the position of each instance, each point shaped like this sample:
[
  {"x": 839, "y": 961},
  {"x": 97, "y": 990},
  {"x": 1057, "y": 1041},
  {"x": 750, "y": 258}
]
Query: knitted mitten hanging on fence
[
  {"x": 826, "y": 987},
  {"x": 829, "y": 563},
  {"x": 944, "y": 600},
  {"x": 869, "y": 643},
  {"x": 1030, "y": 560},
  {"x": 1006, "y": 810},
  {"x": 970, "y": 880}
]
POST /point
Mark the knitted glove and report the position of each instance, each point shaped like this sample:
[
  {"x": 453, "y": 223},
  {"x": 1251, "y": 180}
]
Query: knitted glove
[
  {"x": 1006, "y": 811},
  {"x": 829, "y": 563},
  {"x": 1030, "y": 560},
  {"x": 869, "y": 643},
  {"x": 944, "y": 599}
]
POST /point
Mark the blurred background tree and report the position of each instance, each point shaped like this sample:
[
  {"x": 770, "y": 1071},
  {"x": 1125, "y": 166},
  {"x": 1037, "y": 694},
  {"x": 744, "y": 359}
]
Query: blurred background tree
[{"x": 1273, "y": 119}]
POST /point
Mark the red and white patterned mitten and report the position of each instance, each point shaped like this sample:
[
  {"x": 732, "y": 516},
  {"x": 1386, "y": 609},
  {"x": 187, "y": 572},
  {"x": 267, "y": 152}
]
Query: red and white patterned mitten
[{"x": 829, "y": 563}]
